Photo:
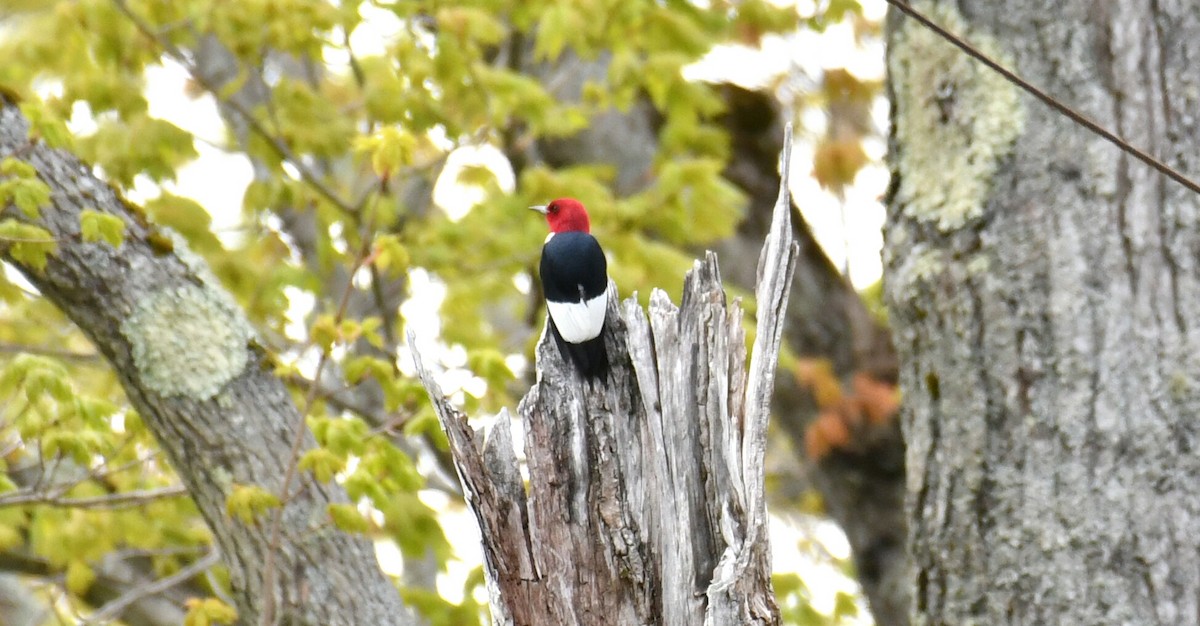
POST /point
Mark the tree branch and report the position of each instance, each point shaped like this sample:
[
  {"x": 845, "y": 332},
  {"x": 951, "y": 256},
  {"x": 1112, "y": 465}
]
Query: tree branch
[
  {"x": 113, "y": 610},
  {"x": 120, "y": 500},
  {"x": 277, "y": 145},
  {"x": 115, "y": 577},
  {"x": 58, "y": 353}
]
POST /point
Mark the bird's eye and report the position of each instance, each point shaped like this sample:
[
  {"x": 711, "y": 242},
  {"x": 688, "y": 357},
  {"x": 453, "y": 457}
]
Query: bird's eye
[{"x": 553, "y": 208}]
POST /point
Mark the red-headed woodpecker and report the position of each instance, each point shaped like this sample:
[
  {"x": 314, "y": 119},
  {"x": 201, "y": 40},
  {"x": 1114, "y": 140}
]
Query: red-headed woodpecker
[{"x": 575, "y": 283}]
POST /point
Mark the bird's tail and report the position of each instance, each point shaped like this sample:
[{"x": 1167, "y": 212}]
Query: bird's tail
[{"x": 589, "y": 357}]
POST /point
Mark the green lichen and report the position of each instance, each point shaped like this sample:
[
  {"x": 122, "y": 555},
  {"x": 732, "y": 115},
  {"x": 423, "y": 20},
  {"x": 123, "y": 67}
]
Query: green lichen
[
  {"x": 187, "y": 341},
  {"x": 979, "y": 265},
  {"x": 955, "y": 119},
  {"x": 927, "y": 264},
  {"x": 198, "y": 266},
  {"x": 223, "y": 479},
  {"x": 1179, "y": 386}
]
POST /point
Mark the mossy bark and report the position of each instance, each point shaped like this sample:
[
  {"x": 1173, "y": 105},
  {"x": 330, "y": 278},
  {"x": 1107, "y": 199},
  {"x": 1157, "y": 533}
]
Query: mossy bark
[{"x": 1049, "y": 341}]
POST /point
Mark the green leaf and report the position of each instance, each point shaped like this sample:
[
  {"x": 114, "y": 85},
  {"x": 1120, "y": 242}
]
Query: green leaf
[
  {"x": 347, "y": 518},
  {"x": 47, "y": 382},
  {"x": 28, "y": 194},
  {"x": 425, "y": 422},
  {"x": 311, "y": 121},
  {"x": 413, "y": 526},
  {"x": 476, "y": 176},
  {"x": 138, "y": 144},
  {"x": 66, "y": 443},
  {"x": 208, "y": 611},
  {"x": 369, "y": 330},
  {"x": 12, "y": 166},
  {"x": 345, "y": 436},
  {"x": 323, "y": 464},
  {"x": 133, "y": 422},
  {"x": 34, "y": 249},
  {"x": 489, "y": 364},
  {"x": 390, "y": 149},
  {"x": 45, "y": 125},
  {"x": 249, "y": 502},
  {"x": 471, "y": 25},
  {"x": 118, "y": 90},
  {"x": 558, "y": 21},
  {"x": 844, "y": 605},
  {"x": 96, "y": 226},
  {"x": 79, "y": 577},
  {"x": 360, "y": 367},
  {"x": 389, "y": 466},
  {"x": 349, "y": 331},
  {"x": 10, "y": 537},
  {"x": 36, "y": 375},
  {"x": 439, "y": 611},
  {"x": 324, "y": 332},
  {"x": 186, "y": 217},
  {"x": 672, "y": 29},
  {"x": 765, "y": 16},
  {"x": 392, "y": 257},
  {"x": 10, "y": 293},
  {"x": 95, "y": 411},
  {"x": 361, "y": 485}
]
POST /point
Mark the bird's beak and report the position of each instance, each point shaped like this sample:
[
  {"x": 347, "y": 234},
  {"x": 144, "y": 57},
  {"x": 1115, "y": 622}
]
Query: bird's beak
[{"x": 541, "y": 208}]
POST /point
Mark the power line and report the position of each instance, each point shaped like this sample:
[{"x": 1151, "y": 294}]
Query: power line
[{"x": 1074, "y": 115}]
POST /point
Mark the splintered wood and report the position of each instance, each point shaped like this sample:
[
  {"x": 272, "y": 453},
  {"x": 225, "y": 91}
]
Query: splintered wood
[{"x": 645, "y": 496}]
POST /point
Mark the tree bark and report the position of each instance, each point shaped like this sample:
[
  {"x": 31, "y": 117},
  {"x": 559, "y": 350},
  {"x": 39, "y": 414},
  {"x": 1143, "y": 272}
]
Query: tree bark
[
  {"x": 1043, "y": 289},
  {"x": 188, "y": 362},
  {"x": 645, "y": 501}
]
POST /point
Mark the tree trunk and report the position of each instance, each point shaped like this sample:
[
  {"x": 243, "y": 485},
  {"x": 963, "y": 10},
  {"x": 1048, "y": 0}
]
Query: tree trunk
[
  {"x": 188, "y": 363},
  {"x": 645, "y": 499},
  {"x": 1043, "y": 290}
]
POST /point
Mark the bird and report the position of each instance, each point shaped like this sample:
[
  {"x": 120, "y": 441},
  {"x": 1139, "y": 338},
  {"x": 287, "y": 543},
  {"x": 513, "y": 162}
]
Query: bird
[{"x": 574, "y": 275}]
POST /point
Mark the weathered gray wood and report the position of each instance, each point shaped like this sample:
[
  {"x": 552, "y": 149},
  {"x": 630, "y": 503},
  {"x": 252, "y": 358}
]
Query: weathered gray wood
[
  {"x": 185, "y": 356},
  {"x": 645, "y": 498},
  {"x": 1051, "y": 340}
]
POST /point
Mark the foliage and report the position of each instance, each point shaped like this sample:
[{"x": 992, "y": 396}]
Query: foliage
[
  {"x": 844, "y": 415},
  {"x": 97, "y": 226},
  {"x": 21, "y": 188},
  {"x": 346, "y": 147},
  {"x": 209, "y": 611},
  {"x": 796, "y": 608}
]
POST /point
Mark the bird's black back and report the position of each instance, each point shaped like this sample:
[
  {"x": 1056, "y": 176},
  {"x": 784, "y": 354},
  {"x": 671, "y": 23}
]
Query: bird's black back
[{"x": 572, "y": 260}]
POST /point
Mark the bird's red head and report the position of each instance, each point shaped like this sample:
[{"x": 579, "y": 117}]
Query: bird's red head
[{"x": 565, "y": 215}]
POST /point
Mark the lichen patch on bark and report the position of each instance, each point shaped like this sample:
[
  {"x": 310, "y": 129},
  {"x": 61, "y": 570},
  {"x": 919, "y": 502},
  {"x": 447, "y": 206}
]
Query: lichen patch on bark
[
  {"x": 187, "y": 341},
  {"x": 955, "y": 119}
]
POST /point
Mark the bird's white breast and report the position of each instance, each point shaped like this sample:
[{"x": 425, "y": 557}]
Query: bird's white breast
[{"x": 578, "y": 322}]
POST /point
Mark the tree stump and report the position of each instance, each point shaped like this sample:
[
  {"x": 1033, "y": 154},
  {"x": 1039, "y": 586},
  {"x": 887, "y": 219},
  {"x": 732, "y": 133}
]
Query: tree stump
[{"x": 644, "y": 503}]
